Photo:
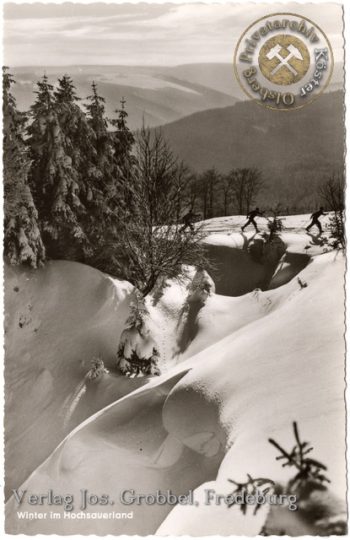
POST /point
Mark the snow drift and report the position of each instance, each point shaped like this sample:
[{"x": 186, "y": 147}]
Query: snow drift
[
  {"x": 236, "y": 371},
  {"x": 57, "y": 320}
]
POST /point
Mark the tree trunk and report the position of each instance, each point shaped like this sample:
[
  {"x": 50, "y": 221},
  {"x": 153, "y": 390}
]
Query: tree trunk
[{"x": 148, "y": 286}]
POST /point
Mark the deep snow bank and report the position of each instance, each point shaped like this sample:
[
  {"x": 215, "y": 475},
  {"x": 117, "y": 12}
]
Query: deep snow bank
[
  {"x": 287, "y": 366},
  {"x": 209, "y": 418},
  {"x": 245, "y": 261},
  {"x": 57, "y": 319}
]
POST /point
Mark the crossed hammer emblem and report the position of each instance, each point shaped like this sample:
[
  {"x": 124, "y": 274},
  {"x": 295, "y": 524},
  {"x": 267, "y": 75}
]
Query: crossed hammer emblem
[{"x": 274, "y": 52}]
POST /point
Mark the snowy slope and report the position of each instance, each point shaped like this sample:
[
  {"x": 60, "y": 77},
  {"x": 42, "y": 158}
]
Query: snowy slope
[
  {"x": 58, "y": 319},
  {"x": 284, "y": 367},
  {"x": 236, "y": 370}
]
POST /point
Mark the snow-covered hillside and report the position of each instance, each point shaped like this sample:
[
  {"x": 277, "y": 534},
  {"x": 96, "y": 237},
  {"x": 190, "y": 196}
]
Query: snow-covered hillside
[{"x": 236, "y": 369}]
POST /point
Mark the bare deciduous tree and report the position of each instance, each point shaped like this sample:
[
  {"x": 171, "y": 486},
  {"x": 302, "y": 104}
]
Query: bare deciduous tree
[
  {"x": 226, "y": 188},
  {"x": 152, "y": 245},
  {"x": 209, "y": 181},
  {"x": 246, "y": 186},
  {"x": 192, "y": 192},
  {"x": 253, "y": 185}
]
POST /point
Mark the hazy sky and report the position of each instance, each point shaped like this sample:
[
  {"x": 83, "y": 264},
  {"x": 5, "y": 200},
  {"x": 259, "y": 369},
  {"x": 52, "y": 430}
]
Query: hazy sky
[{"x": 141, "y": 34}]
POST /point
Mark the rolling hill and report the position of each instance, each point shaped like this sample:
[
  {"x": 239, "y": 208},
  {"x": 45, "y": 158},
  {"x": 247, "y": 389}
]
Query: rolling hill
[
  {"x": 197, "y": 105},
  {"x": 295, "y": 151},
  {"x": 155, "y": 95}
]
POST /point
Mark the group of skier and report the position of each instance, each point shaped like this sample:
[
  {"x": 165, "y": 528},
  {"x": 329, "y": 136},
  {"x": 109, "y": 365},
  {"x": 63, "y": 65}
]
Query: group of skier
[
  {"x": 315, "y": 219},
  {"x": 189, "y": 218}
]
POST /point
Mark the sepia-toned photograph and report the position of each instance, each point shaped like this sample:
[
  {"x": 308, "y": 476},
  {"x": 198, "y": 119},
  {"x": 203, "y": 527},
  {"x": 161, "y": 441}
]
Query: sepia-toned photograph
[{"x": 174, "y": 264}]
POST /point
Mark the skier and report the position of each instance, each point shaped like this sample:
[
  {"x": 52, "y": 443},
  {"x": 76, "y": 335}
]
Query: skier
[
  {"x": 251, "y": 218},
  {"x": 188, "y": 221},
  {"x": 315, "y": 221}
]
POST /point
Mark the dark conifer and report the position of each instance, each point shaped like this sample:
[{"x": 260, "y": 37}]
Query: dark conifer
[
  {"x": 59, "y": 138},
  {"x": 124, "y": 161},
  {"x": 22, "y": 238},
  {"x": 123, "y": 139},
  {"x": 106, "y": 194}
]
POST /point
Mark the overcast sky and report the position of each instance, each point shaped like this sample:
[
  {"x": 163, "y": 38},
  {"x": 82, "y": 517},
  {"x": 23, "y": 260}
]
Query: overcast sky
[{"x": 141, "y": 34}]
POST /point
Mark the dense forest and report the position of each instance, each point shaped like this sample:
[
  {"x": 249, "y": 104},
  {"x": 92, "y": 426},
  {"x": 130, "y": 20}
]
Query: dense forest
[{"x": 82, "y": 187}]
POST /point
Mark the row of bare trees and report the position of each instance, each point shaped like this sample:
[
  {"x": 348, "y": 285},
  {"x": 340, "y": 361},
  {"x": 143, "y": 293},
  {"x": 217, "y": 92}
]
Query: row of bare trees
[
  {"x": 213, "y": 194},
  {"x": 152, "y": 244}
]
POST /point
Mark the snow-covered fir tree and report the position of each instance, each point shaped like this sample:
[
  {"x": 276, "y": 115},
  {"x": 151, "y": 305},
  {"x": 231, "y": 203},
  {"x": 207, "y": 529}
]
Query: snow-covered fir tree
[
  {"x": 114, "y": 190},
  {"x": 104, "y": 202},
  {"x": 88, "y": 160},
  {"x": 122, "y": 139},
  {"x": 22, "y": 238},
  {"x": 138, "y": 352},
  {"x": 56, "y": 135},
  {"x": 97, "y": 369},
  {"x": 96, "y": 117},
  {"x": 124, "y": 160}
]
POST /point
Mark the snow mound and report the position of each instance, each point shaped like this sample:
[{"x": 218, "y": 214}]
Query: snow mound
[
  {"x": 207, "y": 420},
  {"x": 57, "y": 320}
]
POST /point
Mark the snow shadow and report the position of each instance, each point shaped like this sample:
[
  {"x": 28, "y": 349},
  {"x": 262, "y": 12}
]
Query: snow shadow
[{"x": 260, "y": 264}]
